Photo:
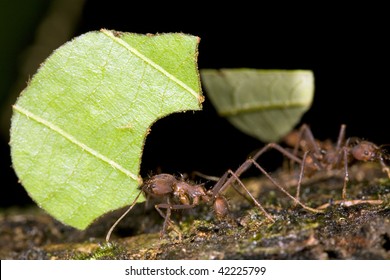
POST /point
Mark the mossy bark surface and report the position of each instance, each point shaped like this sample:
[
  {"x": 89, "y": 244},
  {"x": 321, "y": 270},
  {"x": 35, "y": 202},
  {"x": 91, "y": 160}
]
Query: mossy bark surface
[{"x": 361, "y": 231}]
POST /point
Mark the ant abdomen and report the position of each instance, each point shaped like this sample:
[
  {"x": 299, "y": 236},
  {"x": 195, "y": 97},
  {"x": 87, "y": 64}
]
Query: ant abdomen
[{"x": 221, "y": 207}]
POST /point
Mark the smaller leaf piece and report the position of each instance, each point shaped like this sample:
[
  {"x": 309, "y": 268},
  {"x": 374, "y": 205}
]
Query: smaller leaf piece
[{"x": 265, "y": 104}]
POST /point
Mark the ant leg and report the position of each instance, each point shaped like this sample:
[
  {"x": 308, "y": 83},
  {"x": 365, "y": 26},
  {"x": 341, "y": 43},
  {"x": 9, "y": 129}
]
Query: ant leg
[
  {"x": 341, "y": 137},
  {"x": 167, "y": 220},
  {"x": 251, "y": 196},
  {"x": 340, "y": 146},
  {"x": 283, "y": 189},
  {"x": 235, "y": 175},
  {"x": 348, "y": 203},
  {"x": 306, "y": 134},
  {"x": 301, "y": 175},
  {"x": 280, "y": 149},
  {"x": 225, "y": 181},
  {"x": 297, "y": 143},
  {"x": 346, "y": 174},
  {"x": 219, "y": 187},
  {"x": 204, "y": 176}
]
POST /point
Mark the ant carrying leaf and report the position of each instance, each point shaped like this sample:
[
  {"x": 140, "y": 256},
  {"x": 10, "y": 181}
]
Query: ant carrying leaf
[{"x": 324, "y": 155}]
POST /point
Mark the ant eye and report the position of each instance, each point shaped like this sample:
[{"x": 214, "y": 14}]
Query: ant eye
[{"x": 366, "y": 152}]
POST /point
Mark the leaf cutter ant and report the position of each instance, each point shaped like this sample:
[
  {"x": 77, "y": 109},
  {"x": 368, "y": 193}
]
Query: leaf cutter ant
[
  {"x": 325, "y": 155},
  {"x": 179, "y": 194}
]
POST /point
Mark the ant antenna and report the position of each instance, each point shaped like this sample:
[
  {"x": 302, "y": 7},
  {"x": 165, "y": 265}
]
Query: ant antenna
[
  {"x": 384, "y": 150},
  {"x": 121, "y": 217},
  {"x": 204, "y": 176}
]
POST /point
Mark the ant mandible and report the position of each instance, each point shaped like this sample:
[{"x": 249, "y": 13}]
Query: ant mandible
[
  {"x": 180, "y": 194},
  {"x": 325, "y": 155}
]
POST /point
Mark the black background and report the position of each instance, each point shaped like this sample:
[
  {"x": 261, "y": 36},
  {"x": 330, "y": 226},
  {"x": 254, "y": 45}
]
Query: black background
[{"x": 347, "y": 48}]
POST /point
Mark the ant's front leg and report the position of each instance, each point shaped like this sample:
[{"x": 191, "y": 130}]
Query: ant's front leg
[
  {"x": 167, "y": 216},
  {"x": 167, "y": 219}
]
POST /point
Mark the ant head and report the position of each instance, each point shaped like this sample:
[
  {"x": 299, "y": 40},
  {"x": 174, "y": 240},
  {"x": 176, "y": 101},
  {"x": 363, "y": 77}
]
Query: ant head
[
  {"x": 366, "y": 151},
  {"x": 159, "y": 185}
]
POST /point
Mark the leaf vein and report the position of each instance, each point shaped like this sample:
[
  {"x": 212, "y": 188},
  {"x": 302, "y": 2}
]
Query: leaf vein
[
  {"x": 151, "y": 63},
  {"x": 261, "y": 107},
  {"x": 72, "y": 139}
]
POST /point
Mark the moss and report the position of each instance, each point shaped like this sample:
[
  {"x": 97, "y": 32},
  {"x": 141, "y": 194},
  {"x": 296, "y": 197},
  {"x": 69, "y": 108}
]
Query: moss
[{"x": 105, "y": 251}]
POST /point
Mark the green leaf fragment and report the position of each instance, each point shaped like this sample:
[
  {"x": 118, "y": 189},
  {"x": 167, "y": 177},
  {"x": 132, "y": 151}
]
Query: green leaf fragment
[
  {"x": 78, "y": 129},
  {"x": 265, "y": 104}
]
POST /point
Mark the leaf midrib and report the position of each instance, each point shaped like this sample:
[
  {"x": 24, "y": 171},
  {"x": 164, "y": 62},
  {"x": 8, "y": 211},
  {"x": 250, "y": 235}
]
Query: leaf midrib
[
  {"x": 151, "y": 63},
  {"x": 73, "y": 139},
  {"x": 262, "y": 107}
]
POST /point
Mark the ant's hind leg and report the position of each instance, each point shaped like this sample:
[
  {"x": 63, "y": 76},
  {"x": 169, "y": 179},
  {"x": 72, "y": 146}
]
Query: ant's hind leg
[
  {"x": 280, "y": 149},
  {"x": 225, "y": 180},
  {"x": 251, "y": 196},
  {"x": 283, "y": 189}
]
